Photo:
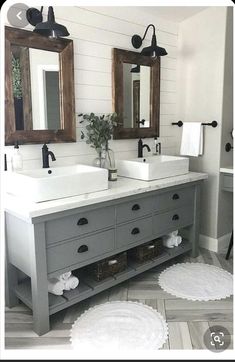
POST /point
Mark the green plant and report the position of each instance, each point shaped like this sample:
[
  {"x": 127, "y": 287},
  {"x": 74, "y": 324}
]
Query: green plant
[
  {"x": 99, "y": 129},
  {"x": 16, "y": 77}
]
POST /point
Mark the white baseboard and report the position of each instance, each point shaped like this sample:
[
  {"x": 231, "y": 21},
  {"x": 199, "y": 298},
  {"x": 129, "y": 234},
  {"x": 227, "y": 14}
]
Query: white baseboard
[
  {"x": 208, "y": 243},
  {"x": 223, "y": 242},
  {"x": 216, "y": 245}
]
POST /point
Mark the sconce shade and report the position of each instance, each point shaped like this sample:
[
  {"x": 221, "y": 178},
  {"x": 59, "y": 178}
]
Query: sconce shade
[
  {"x": 50, "y": 28},
  {"x": 153, "y": 49}
]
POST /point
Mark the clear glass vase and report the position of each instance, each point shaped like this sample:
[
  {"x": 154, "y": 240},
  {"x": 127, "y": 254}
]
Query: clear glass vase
[{"x": 100, "y": 160}]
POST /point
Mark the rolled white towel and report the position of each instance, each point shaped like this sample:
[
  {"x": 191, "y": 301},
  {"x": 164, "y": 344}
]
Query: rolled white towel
[
  {"x": 168, "y": 242},
  {"x": 171, "y": 241},
  {"x": 65, "y": 276},
  {"x": 173, "y": 233},
  {"x": 178, "y": 240},
  {"x": 71, "y": 283},
  {"x": 55, "y": 286}
]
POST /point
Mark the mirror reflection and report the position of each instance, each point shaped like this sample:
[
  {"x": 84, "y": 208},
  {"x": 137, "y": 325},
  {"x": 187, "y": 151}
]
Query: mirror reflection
[
  {"x": 35, "y": 83},
  {"x": 136, "y": 96}
]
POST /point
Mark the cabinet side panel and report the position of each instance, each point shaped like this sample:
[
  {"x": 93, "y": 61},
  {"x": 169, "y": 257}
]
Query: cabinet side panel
[{"x": 17, "y": 236}]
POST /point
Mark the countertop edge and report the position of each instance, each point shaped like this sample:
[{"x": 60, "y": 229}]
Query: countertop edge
[
  {"x": 226, "y": 170},
  {"x": 13, "y": 205}
]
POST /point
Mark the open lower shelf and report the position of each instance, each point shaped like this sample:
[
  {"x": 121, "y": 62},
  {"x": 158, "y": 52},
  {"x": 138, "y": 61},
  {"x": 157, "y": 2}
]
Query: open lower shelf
[
  {"x": 23, "y": 292},
  {"x": 89, "y": 287}
]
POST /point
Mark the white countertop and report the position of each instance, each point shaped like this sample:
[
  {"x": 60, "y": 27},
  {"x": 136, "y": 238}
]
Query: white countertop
[
  {"x": 121, "y": 188},
  {"x": 228, "y": 169}
]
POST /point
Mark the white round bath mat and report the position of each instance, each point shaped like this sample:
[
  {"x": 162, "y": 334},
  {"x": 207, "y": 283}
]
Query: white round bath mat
[
  {"x": 119, "y": 326},
  {"x": 197, "y": 281}
]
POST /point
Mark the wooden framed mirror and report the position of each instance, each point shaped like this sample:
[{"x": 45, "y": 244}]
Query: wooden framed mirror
[
  {"x": 136, "y": 94},
  {"x": 39, "y": 93}
]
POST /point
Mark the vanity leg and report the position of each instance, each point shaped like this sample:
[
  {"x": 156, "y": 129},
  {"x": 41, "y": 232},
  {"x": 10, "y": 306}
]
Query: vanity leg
[
  {"x": 39, "y": 280},
  {"x": 11, "y": 281},
  {"x": 194, "y": 230}
]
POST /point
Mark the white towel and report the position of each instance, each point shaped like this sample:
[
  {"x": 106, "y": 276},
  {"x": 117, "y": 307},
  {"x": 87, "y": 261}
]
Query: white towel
[
  {"x": 178, "y": 240},
  {"x": 192, "y": 139},
  {"x": 65, "y": 276},
  {"x": 171, "y": 241},
  {"x": 71, "y": 283},
  {"x": 55, "y": 286},
  {"x": 173, "y": 233}
]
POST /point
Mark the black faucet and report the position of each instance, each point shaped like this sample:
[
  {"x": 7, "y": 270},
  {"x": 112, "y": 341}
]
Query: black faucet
[
  {"x": 141, "y": 146},
  {"x": 45, "y": 156}
]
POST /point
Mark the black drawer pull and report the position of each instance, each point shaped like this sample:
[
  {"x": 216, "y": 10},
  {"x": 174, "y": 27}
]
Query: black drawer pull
[
  {"x": 82, "y": 221},
  {"x": 175, "y": 217},
  {"x": 135, "y": 231},
  {"x": 82, "y": 249},
  {"x": 135, "y": 207},
  {"x": 175, "y": 197}
]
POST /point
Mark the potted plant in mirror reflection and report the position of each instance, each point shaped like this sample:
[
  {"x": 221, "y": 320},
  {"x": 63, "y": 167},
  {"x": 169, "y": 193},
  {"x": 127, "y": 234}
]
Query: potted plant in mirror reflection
[
  {"x": 99, "y": 130},
  {"x": 17, "y": 92}
]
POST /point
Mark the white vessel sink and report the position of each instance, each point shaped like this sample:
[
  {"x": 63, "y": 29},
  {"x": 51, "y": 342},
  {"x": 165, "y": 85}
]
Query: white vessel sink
[
  {"x": 153, "y": 168},
  {"x": 57, "y": 182}
]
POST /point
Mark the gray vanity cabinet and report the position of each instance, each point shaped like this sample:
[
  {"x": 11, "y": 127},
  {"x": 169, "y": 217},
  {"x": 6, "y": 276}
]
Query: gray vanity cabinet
[{"x": 49, "y": 245}]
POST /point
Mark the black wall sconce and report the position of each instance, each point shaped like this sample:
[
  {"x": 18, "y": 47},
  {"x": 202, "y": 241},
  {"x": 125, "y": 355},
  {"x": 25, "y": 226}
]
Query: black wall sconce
[
  {"x": 153, "y": 49},
  {"x": 47, "y": 28},
  {"x": 135, "y": 69}
]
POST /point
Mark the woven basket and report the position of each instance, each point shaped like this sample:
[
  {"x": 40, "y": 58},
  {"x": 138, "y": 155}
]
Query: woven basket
[
  {"x": 146, "y": 251},
  {"x": 108, "y": 267},
  {"x": 159, "y": 247}
]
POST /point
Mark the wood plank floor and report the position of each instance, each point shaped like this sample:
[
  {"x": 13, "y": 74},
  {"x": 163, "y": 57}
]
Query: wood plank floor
[{"x": 187, "y": 320}]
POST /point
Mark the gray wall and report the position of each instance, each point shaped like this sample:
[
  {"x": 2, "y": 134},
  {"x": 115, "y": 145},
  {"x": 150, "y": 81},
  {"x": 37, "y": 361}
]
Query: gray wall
[
  {"x": 226, "y": 158},
  {"x": 202, "y": 91},
  {"x": 225, "y": 209}
]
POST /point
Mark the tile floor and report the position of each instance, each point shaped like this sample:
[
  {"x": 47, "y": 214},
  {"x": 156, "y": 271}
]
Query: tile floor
[{"x": 187, "y": 320}]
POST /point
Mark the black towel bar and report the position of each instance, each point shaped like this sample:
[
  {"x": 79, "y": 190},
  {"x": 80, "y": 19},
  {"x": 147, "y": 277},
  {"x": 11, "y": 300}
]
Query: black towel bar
[{"x": 212, "y": 124}]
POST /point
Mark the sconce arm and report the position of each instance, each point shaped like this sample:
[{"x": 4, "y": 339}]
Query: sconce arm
[{"x": 147, "y": 30}]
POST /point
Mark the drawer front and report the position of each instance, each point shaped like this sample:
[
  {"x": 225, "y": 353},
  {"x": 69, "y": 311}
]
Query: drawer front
[
  {"x": 173, "y": 199},
  {"x": 172, "y": 220},
  {"x": 78, "y": 224},
  {"x": 79, "y": 250},
  {"x": 134, "y": 209},
  {"x": 134, "y": 231}
]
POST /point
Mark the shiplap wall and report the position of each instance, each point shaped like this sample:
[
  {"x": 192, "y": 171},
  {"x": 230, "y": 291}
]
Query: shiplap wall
[{"x": 95, "y": 31}]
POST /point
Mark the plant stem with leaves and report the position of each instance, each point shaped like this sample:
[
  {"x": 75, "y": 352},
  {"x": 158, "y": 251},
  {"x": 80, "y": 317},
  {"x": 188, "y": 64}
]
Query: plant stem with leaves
[{"x": 99, "y": 129}]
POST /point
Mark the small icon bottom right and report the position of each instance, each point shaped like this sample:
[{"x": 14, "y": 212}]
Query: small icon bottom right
[{"x": 217, "y": 338}]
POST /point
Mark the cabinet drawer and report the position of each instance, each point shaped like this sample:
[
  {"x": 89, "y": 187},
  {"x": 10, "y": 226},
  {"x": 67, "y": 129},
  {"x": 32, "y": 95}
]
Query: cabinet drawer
[
  {"x": 131, "y": 210},
  {"x": 79, "y": 250},
  {"x": 134, "y": 231},
  {"x": 78, "y": 224},
  {"x": 172, "y": 220},
  {"x": 173, "y": 199}
]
